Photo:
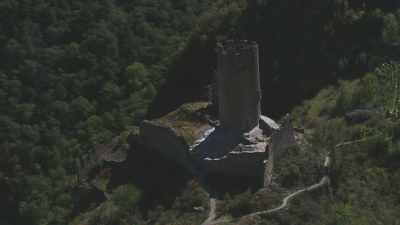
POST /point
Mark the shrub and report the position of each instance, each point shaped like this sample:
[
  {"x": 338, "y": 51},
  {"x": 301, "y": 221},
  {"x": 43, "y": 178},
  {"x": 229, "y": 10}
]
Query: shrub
[
  {"x": 193, "y": 196},
  {"x": 238, "y": 205},
  {"x": 126, "y": 196}
]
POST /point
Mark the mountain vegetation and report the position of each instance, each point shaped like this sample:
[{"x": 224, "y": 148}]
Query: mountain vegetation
[{"x": 75, "y": 75}]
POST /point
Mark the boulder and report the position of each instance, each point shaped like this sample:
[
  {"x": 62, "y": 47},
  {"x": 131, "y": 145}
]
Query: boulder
[{"x": 360, "y": 115}]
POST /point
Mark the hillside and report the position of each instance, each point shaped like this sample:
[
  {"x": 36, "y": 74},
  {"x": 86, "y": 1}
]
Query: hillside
[{"x": 78, "y": 78}]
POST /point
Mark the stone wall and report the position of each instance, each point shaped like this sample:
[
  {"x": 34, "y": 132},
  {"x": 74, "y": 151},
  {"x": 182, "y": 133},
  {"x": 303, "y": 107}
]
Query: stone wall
[
  {"x": 238, "y": 85},
  {"x": 283, "y": 139}
]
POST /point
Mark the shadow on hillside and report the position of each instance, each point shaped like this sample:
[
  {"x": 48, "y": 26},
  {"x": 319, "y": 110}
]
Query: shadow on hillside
[
  {"x": 186, "y": 79},
  {"x": 160, "y": 179},
  {"x": 221, "y": 184}
]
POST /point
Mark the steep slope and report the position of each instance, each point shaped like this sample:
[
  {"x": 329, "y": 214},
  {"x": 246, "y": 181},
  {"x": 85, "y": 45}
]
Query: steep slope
[{"x": 364, "y": 155}]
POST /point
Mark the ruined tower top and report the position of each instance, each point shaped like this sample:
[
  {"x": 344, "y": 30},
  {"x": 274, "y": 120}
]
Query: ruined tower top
[
  {"x": 236, "y": 47},
  {"x": 238, "y": 85}
]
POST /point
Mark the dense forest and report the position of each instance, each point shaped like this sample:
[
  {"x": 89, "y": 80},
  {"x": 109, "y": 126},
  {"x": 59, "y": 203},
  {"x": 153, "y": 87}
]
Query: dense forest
[{"x": 78, "y": 74}]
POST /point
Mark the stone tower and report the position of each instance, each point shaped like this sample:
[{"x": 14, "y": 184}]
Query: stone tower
[{"x": 238, "y": 85}]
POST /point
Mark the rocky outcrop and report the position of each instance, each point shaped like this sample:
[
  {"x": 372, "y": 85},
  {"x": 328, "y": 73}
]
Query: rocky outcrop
[
  {"x": 165, "y": 140},
  {"x": 174, "y": 134}
]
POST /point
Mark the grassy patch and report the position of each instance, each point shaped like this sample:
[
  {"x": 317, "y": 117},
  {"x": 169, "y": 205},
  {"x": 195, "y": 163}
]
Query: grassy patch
[{"x": 187, "y": 121}]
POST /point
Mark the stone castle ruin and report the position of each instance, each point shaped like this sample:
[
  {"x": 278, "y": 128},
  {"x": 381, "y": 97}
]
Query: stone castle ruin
[
  {"x": 243, "y": 142},
  {"x": 239, "y": 146},
  {"x": 238, "y": 85}
]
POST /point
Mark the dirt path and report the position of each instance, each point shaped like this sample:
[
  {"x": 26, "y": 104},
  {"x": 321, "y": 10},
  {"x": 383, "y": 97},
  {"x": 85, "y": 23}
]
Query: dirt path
[
  {"x": 212, "y": 214},
  {"x": 211, "y": 219},
  {"x": 325, "y": 180}
]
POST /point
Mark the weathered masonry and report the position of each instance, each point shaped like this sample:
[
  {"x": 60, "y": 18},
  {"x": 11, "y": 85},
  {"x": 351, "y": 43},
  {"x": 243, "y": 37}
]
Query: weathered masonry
[
  {"x": 243, "y": 143},
  {"x": 238, "y": 85}
]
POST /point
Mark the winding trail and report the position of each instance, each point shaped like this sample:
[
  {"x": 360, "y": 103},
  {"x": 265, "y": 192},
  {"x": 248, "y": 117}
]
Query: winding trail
[
  {"x": 212, "y": 214},
  {"x": 325, "y": 180}
]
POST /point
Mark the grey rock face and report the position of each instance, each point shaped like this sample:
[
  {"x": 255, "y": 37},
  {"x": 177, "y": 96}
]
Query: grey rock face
[
  {"x": 175, "y": 133},
  {"x": 166, "y": 141}
]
